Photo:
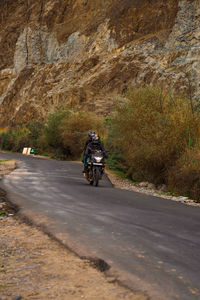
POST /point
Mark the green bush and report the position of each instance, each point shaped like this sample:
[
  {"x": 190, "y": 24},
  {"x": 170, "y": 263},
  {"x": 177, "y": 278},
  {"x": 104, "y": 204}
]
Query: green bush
[
  {"x": 5, "y": 141},
  {"x": 115, "y": 161},
  {"x": 51, "y": 140},
  {"x": 52, "y": 129},
  {"x": 36, "y": 129}
]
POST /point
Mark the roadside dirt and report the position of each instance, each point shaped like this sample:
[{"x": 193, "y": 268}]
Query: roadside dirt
[{"x": 33, "y": 266}]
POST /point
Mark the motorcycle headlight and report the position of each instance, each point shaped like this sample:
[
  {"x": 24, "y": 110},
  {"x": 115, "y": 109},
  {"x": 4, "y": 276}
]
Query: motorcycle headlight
[{"x": 98, "y": 159}]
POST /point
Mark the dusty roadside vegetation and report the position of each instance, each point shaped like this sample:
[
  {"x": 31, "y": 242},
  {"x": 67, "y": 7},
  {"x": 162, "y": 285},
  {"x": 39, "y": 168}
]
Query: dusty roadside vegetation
[
  {"x": 33, "y": 266},
  {"x": 153, "y": 135}
]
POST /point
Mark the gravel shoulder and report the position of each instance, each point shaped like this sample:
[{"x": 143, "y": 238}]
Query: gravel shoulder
[
  {"x": 146, "y": 188},
  {"x": 34, "y": 266}
]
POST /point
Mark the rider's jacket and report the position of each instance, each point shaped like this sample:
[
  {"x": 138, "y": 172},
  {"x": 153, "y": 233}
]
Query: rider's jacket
[
  {"x": 91, "y": 147},
  {"x": 89, "y": 140}
]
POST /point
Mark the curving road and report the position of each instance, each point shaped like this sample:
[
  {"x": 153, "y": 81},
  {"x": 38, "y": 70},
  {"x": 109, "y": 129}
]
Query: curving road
[{"x": 151, "y": 244}]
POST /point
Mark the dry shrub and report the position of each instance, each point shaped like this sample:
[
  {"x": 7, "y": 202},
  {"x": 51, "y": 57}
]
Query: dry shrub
[
  {"x": 184, "y": 177},
  {"x": 74, "y": 130},
  {"x": 14, "y": 139},
  {"x": 20, "y": 139},
  {"x": 63, "y": 135},
  {"x": 3, "y": 130},
  {"x": 152, "y": 129}
]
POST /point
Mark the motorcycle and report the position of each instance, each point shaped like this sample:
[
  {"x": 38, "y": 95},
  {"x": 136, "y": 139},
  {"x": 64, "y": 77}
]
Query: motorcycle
[{"x": 95, "y": 167}]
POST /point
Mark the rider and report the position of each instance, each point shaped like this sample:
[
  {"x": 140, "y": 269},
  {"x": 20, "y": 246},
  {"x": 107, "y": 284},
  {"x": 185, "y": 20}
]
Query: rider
[
  {"x": 95, "y": 144},
  {"x": 91, "y": 134}
]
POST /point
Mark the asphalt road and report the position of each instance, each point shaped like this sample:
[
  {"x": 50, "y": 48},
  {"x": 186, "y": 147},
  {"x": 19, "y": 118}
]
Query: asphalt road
[{"x": 151, "y": 244}]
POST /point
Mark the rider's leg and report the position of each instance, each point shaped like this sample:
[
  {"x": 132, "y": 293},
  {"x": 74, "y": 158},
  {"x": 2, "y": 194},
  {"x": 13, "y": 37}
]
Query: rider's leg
[{"x": 85, "y": 164}]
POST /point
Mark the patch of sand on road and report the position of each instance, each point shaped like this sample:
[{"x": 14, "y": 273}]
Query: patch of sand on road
[{"x": 6, "y": 166}]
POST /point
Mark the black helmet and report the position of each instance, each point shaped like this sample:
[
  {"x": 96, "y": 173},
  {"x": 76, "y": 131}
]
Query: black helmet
[
  {"x": 95, "y": 139},
  {"x": 91, "y": 134}
]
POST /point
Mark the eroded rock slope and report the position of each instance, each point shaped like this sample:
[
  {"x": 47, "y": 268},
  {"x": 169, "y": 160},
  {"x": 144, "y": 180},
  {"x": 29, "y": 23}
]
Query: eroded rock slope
[{"x": 85, "y": 52}]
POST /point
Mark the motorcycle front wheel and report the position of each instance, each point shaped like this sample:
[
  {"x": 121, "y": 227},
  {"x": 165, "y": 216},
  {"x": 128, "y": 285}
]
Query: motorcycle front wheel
[
  {"x": 90, "y": 177},
  {"x": 96, "y": 176}
]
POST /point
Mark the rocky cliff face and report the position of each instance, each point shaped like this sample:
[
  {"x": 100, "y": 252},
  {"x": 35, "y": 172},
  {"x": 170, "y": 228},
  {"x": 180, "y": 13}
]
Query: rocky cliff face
[{"x": 85, "y": 52}]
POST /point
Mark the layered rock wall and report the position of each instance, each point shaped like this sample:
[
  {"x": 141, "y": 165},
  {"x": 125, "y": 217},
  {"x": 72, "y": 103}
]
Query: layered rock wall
[{"x": 85, "y": 52}]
